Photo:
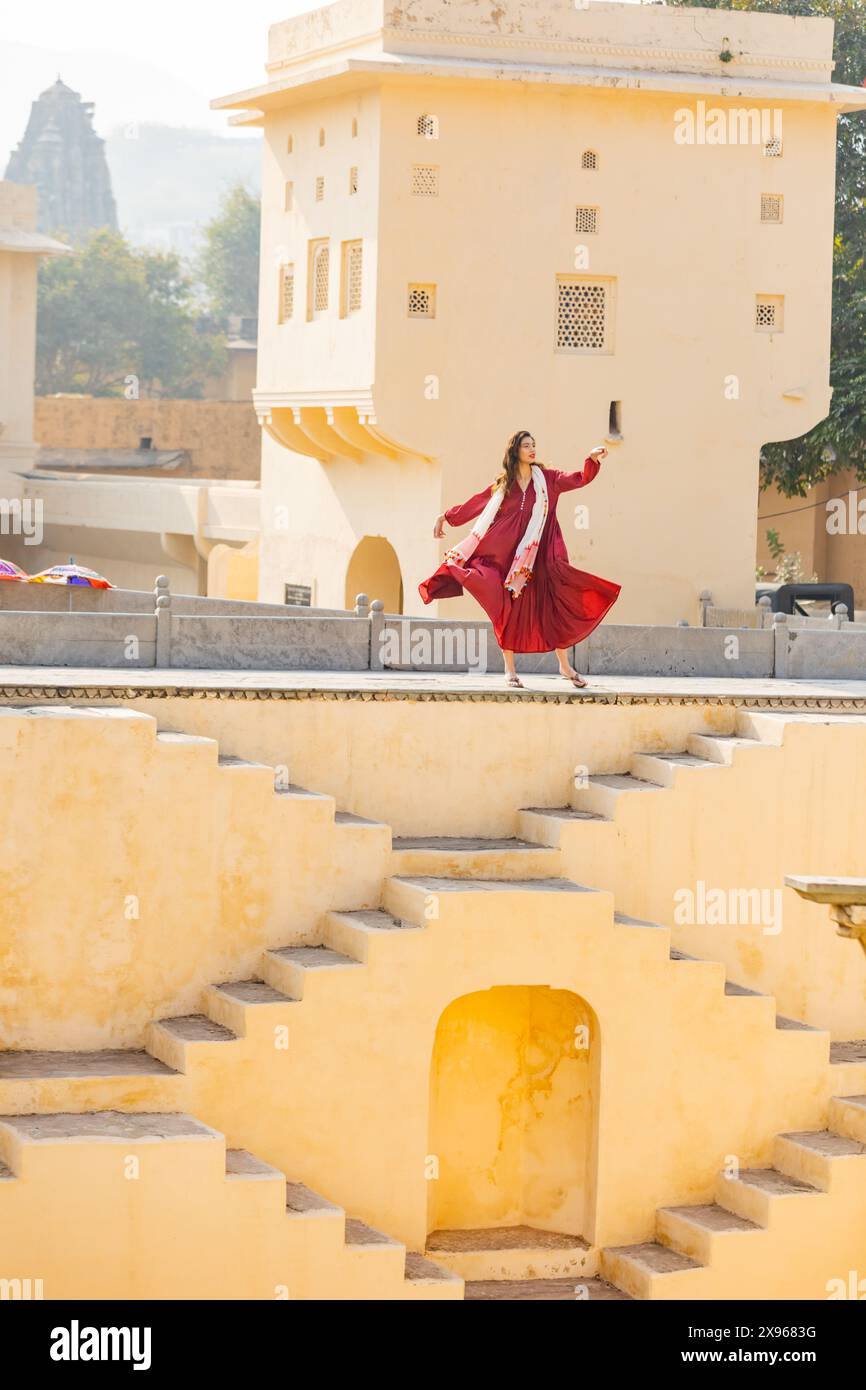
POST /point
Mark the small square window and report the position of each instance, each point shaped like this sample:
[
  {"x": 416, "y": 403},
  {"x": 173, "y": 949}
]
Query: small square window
[
  {"x": 428, "y": 126},
  {"x": 320, "y": 189},
  {"x": 354, "y": 127},
  {"x": 353, "y": 180},
  {"x": 287, "y": 293},
  {"x": 584, "y": 314},
  {"x": 350, "y": 287},
  {"x": 322, "y": 136},
  {"x": 586, "y": 220},
  {"x": 289, "y": 144},
  {"x": 422, "y": 301},
  {"x": 318, "y": 271},
  {"x": 589, "y": 160},
  {"x": 771, "y": 207},
  {"x": 769, "y": 313},
  {"x": 425, "y": 180}
]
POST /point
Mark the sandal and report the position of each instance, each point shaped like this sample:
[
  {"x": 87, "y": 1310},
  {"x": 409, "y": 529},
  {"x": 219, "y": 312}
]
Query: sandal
[
  {"x": 576, "y": 680},
  {"x": 515, "y": 682}
]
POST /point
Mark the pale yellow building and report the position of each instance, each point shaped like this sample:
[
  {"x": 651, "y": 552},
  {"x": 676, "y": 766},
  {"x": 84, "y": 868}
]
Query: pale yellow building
[
  {"x": 21, "y": 247},
  {"x": 608, "y": 223}
]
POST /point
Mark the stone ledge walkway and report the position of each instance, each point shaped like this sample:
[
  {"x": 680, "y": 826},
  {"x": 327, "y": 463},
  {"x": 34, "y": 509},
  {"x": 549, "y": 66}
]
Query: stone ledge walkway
[{"x": 58, "y": 682}]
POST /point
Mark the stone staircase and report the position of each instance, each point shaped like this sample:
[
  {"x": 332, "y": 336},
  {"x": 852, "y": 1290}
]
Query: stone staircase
[{"x": 291, "y": 1059}]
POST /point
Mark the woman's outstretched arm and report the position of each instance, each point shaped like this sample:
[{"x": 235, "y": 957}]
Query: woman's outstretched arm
[
  {"x": 567, "y": 482},
  {"x": 466, "y": 511}
]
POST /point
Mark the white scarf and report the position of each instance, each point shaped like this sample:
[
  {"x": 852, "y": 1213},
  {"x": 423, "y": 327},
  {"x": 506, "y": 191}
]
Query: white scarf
[{"x": 527, "y": 549}]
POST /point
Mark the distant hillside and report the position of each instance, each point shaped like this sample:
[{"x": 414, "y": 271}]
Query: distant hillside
[{"x": 168, "y": 180}]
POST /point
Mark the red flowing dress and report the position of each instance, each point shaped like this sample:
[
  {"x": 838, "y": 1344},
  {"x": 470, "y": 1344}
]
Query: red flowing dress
[{"x": 560, "y": 605}]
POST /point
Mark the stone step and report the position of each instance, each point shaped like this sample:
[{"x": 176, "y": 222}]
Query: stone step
[
  {"x": 542, "y": 1290},
  {"x": 303, "y": 1201},
  {"x": 424, "y": 899},
  {"x": 26, "y": 1141},
  {"x": 233, "y": 1005},
  {"x": 244, "y": 1166},
  {"x": 752, "y": 1193},
  {"x": 811, "y": 1156},
  {"x": 665, "y": 769},
  {"x": 367, "y": 934},
  {"x": 512, "y": 1252},
  {"x": 419, "y": 1270},
  {"x": 114, "y": 1079},
  {"x": 470, "y": 857},
  {"x": 300, "y": 971},
  {"x": 359, "y": 1233},
  {"x": 603, "y": 792},
  {"x": 848, "y": 1116},
  {"x": 171, "y": 740},
  {"x": 695, "y": 1231},
  {"x": 169, "y": 1038},
  {"x": 719, "y": 748},
  {"x": 554, "y": 825},
  {"x": 848, "y": 1060},
  {"x": 638, "y": 1269},
  {"x": 349, "y": 818},
  {"x": 38, "y": 1066}
]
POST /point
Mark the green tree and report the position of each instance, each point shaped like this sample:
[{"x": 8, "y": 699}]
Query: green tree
[
  {"x": 229, "y": 262},
  {"x": 839, "y": 441},
  {"x": 110, "y": 313}
]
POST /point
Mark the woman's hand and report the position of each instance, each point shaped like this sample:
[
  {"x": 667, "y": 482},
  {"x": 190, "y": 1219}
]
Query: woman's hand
[
  {"x": 599, "y": 452},
  {"x": 439, "y": 528}
]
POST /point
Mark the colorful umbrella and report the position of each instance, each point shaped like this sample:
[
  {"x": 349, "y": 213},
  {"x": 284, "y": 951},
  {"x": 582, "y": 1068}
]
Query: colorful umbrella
[
  {"x": 70, "y": 574},
  {"x": 10, "y": 571}
]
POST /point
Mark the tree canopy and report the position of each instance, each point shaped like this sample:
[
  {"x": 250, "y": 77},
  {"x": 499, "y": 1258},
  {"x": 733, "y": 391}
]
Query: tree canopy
[
  {"x": 113, "y": 319},
  {"x": 229, "y": 262}
]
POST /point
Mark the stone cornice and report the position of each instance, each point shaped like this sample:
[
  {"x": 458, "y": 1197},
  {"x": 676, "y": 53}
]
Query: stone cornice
[
  {"x": 842, "y": 704},
  {"x": 679, "y": 58}
]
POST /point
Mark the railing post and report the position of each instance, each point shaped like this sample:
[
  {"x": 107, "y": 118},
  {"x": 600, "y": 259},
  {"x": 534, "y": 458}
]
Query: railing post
[
  {"x": 162, "y": 615},
  {"x": 780, "y": 645},
  {"x": 377, "y": 625}
]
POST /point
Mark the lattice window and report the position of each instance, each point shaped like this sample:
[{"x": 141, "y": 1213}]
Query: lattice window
[
  {"x": 320, "y": 189},
  {"x": 773, "y": 148},
  {"x": 353, "y": 180},
  {"x": 586, "y": 220},
  {"x": 318, "y": 272},
  {"x": 769, "y": 313},
  {"x": 350, "y": 296},
  {"x": 422, "y": 301},
  {"x": 583, "y": 315},
  {"x": 771, "y": 207},
  {"x": 589, "y": 160},
  {"x": 287, "y": 293},
  {"x": 428, "y": 126},
  {"x": 289, "y": 197},
  {"x": 425, "y": 180}
]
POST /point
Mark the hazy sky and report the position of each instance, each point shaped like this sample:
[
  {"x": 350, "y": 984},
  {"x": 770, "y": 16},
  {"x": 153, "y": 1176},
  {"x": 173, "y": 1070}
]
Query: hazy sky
[
  {"x": 137, "y": 60},
  {"x": 215, "y": 46}
]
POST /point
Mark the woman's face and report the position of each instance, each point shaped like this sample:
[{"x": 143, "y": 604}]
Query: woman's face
[{"x": 526, "y": 453}]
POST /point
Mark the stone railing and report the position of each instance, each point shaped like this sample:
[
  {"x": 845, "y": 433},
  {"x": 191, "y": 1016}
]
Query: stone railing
[{"x": 117, "y": 629}]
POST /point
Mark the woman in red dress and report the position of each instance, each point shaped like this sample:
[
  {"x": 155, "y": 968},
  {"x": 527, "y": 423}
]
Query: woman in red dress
[{"x": 514, "y": 561}]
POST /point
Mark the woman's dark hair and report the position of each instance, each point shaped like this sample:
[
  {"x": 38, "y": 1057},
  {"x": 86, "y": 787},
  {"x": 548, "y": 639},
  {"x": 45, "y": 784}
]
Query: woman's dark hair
[{"x": 511, "y": 461}]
